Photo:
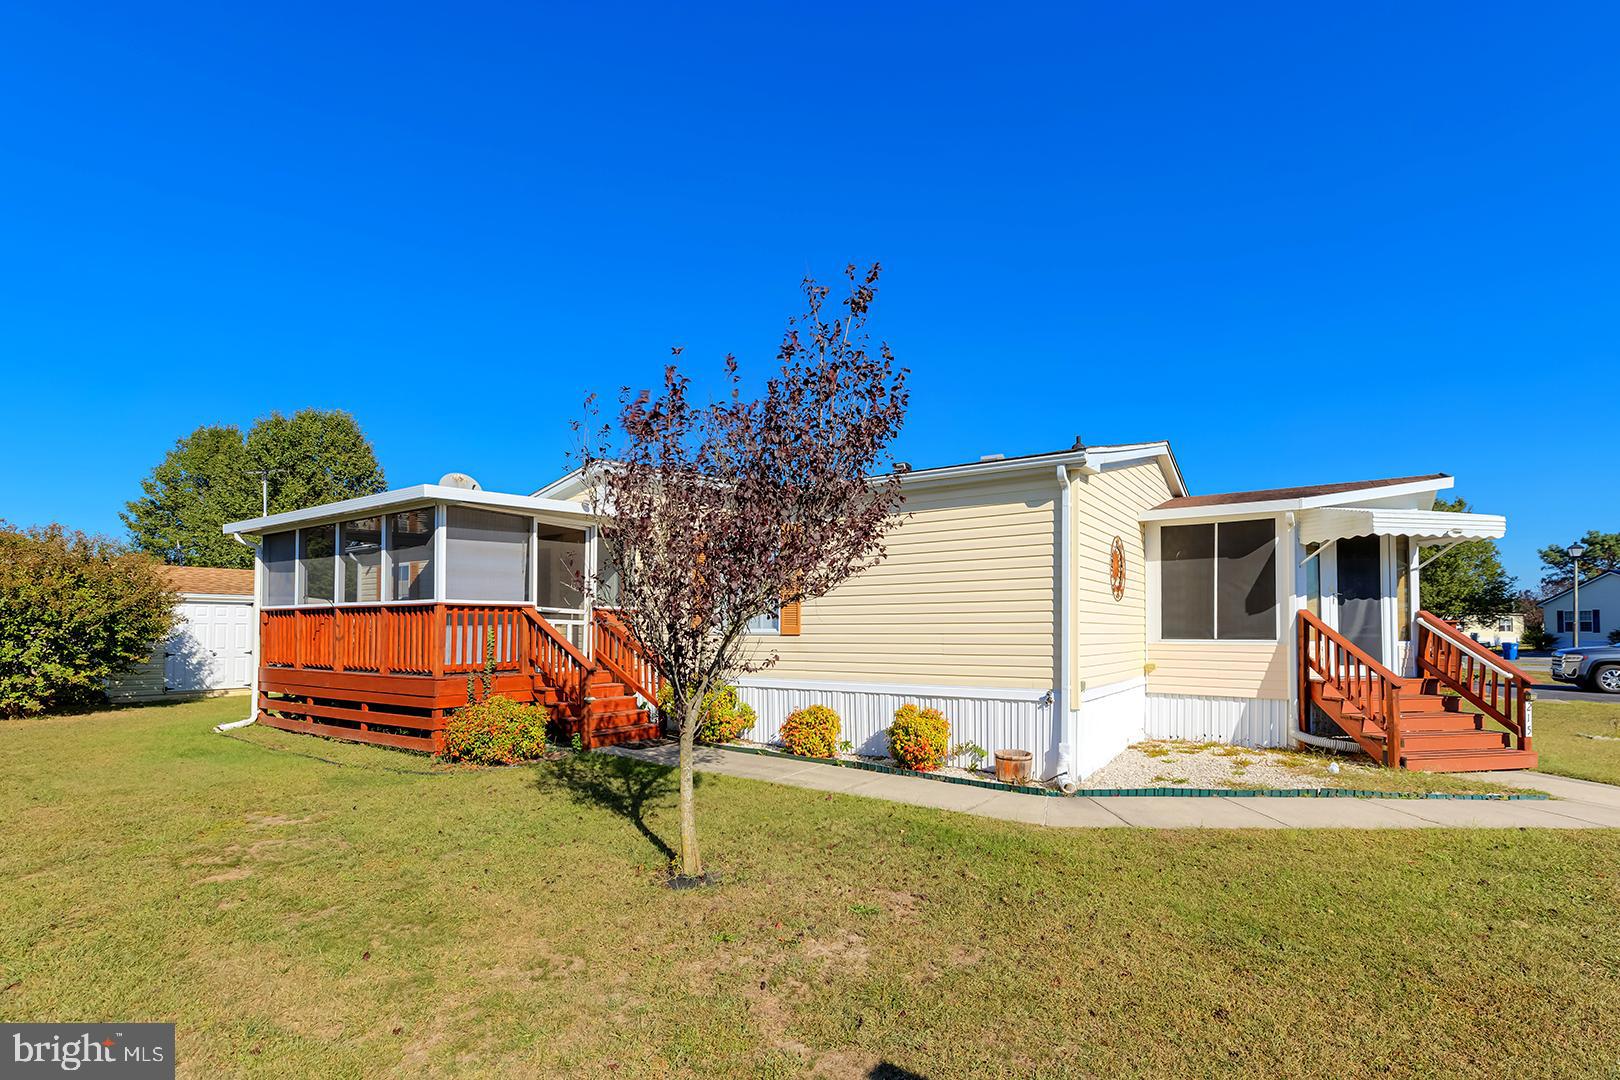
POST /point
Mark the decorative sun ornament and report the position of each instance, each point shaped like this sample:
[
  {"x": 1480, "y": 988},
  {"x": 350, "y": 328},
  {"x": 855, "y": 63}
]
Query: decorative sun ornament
[{"x": 1116, "y": 568}]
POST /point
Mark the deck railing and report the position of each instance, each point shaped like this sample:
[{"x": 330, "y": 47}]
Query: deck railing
[
  {"x": 617, "y": 650},
  {"x": 1367, "y": 686},
  {"x": 1497, "y": 687},
  {"x": 396, "y": 639}
]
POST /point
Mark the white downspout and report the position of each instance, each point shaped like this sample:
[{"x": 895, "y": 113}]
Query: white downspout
[
  {"x": 253, "y": 679},
  {"x": 1067, "y": 777}
]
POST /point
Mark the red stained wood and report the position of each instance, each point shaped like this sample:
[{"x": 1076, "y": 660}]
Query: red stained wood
[
  {"x": 1407, "y": 722},
  {"x": 366, "y": 663}
]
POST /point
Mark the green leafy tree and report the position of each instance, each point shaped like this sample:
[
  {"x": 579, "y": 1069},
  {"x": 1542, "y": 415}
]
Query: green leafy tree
[
  {"x": 1602, "y": 553},
  {"x": 74, "y": 610},
  {"x": 213, "y": 475},
  {"x": 1468, "y": 581}
]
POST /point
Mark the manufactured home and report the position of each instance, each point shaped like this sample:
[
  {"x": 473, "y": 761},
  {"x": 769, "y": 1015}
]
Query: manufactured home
[{"x": 1067, "y": 603}]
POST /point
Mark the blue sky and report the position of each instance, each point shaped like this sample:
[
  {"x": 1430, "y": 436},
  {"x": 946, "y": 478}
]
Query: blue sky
[{"x": 1304, "y": 245}]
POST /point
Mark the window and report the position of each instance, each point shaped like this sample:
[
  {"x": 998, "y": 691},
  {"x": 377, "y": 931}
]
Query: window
[
  {"x": 360, "y": 543},
  {"x": 768, "y": 623},
  {"x": 1505, "y": 623},
  {"x": 561, "y": 568},
  {"x": 410, "y": 555},
  {"x": 1403, "y": 588},
  {"x": 1218, "y": 582},
  {"x": 486, "y": 555},
  {"x": 316, "y": 547},
  {"x": 1591, "y": 621},
  {"x": 608, "y": 576},
  {"x": 280, "y": 553},
  {"x": 1313, "y": 579}
]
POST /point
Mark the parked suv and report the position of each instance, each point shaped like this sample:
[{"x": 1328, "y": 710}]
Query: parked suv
[{"x": 1597, "y": 666}]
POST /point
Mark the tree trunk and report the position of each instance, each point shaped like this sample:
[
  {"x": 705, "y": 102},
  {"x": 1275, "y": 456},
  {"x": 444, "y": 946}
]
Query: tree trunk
[{"x": 691, "y": 861}]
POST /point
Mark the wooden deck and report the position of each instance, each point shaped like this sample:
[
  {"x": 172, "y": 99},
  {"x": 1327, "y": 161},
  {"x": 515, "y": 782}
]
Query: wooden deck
[{"x": 390, "y": 674}]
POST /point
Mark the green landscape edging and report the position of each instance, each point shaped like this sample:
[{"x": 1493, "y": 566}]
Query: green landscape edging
[{"x": 1148, "y": 792}]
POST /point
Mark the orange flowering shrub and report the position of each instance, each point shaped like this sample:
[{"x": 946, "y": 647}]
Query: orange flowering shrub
[
  {"x": 919, "y": 738},
  {"x": 811, "y": 732},
  {"x": 495, "y": 731}
]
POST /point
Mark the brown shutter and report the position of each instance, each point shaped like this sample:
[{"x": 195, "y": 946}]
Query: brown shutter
[{"x": 790, "y": 619}]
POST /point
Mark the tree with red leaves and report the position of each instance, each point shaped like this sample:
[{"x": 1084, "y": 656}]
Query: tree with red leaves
[{"x": 714, "y": 514}]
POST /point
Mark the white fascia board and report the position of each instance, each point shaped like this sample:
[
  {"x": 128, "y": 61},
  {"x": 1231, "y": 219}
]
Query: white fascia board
[
  {"x": 568, "y": 484},
  {"x": 1093, "y": 458},
  {"x": 385, "y": 500},
  {"x": 1350, "y": 499}
]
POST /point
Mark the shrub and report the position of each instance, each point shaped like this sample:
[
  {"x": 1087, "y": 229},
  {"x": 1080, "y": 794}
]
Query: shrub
[
  {"x": 723, "y": 718},
  {"x": 919, "y": 738},
  {"x": 1537, "y": 637},
  {"x": 495, "y": 731},
  {"x": 811, "y": 732},
  {"x": 74, "y": 611}
]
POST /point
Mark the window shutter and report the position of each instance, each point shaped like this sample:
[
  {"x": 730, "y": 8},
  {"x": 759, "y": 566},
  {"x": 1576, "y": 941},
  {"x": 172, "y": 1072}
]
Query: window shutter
[
  {"x": 790, "y": 620},
  {"x": 1597, "y": 627}
]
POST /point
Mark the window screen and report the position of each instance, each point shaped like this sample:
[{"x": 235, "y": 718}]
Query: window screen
[
  {"x": 486, "y": 555},
  {"x": 607, "y": 576},
  {"x": 361, "y": 545},
  {"x": 562, "y": 566},
  {"x": 768, "y": 623},
  {"x": 1246, "y": 581},
  {"x": 1187, "y": 581},
  {"x": 410, "y": 555},
  {"x": 317, "y": 556},
  {"x": 279, "y": 553}
]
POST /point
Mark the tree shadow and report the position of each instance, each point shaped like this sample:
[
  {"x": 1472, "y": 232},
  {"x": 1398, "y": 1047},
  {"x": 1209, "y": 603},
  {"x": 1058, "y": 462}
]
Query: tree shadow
[
  {"x": 623, "y": 785},
  {"x": 888, "y": 1070}
]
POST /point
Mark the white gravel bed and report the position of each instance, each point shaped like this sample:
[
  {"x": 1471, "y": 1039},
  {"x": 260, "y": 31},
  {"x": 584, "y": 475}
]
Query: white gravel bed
[{"x": 1173, "y": 763}]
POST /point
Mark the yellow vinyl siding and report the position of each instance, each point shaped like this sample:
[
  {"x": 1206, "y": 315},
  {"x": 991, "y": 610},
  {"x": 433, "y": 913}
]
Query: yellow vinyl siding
[
  {"x": 964, "y": 598},
  {"x": 1110, "y": 636},
  {"x": 1219, "y": 668}
]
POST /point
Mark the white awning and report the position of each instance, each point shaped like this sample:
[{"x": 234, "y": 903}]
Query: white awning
[{"x": 1322, "y": 524}]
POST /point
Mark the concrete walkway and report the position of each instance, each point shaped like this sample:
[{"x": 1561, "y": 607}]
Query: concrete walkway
[{"x": 1577, "y": 804}]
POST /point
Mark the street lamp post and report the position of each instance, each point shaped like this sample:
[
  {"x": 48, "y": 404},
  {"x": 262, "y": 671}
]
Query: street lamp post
[{"x": 1575, "y": 553}]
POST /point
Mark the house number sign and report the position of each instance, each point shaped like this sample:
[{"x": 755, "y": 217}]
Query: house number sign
[{"x": 1116, "y": 568}]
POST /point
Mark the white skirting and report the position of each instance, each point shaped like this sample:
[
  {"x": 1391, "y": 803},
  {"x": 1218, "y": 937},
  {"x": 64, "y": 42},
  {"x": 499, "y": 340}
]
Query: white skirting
[
  {"x": 1240, "y": 721},
  {"x": 1110, "y": 719},
  {"x": 995, "y": 718}
]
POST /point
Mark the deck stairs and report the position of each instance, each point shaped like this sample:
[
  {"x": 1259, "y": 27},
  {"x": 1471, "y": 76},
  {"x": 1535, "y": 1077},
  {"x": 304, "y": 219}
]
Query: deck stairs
[{"x": 1466, "y": 710}]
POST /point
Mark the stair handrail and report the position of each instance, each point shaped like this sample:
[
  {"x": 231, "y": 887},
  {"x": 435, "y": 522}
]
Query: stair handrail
[
  {"x": 1500, "y": 663},
  {"x": 1505, "y": 697},
  {"x": 1367, "y": 684},
  {"x": 618, "y": 650},
  {"x": 564, "y": 668}
]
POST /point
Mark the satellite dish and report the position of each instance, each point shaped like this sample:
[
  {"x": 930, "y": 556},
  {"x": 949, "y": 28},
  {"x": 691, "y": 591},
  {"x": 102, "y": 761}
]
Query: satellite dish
[{"x": 459, "y": 480}]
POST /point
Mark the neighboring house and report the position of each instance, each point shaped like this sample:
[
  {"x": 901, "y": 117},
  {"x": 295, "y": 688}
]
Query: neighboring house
[
  {"x": 1600, "y": 611},
  {"x": 210, "y": 650},
  {"x": 1494, "y": 632},
  {"x": 1067, "y": 603}
]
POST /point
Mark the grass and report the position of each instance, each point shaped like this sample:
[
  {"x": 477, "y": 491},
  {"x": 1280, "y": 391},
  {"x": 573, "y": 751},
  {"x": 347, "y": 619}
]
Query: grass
[
  {"x": 1579, "y": 739},
  {"x": 305, "y": 908}
]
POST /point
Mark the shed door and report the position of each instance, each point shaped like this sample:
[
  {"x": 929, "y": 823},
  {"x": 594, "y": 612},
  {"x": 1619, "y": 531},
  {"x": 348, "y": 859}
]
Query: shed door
[{"x": 213, "y": 647}]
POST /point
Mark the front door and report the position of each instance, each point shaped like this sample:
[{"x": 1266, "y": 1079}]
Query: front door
[{"x": 1360, "y": 592}]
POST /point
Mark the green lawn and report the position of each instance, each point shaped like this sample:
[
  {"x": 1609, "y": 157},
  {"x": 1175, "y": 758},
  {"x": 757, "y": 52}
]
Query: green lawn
[
  {"x": 1579, "y": 739},
  {"x": 304, "y": 908}
]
